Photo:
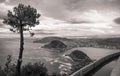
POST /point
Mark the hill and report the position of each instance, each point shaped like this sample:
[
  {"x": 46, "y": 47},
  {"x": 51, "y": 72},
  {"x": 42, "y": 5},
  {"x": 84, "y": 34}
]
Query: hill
[
  {"x": 78, "y": 56},
  {"x": 49, "y": 39},
  {"x": 56, "y": 44},
  {"x": 110, "y": 43}
]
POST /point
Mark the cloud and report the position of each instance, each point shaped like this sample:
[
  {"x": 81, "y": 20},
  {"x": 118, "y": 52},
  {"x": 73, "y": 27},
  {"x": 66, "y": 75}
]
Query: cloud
[
  {"x": 78, "y": 11},
  {"x": 53, "y": 8},
  {"x": 62, "y": 28},
  {"x": 74, "y": 21},
  {"x": 98, "y": 31},
  {"x": 2, "y": 1},
  {"x": 117, "y": 20},
  {"x": 82, "y": 5},
  {"x": 90, "y": 16},
  {"x": 62, "y": 9},
  {"x": 7, "y": 1},
  {"x": 3, "y": 26},
  {"x": 69, "y": 29},
  {"x": 5, "y": 6},
  {"x": 82, "y": 16},
  {"x": 4, "y": 9},
  {"x": 49, "y": 23}
]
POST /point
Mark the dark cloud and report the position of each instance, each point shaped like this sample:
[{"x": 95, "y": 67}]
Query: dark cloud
[
  {"x": 91, "y": 4},
  {"x": 2, "y": 1},
  {"x": 80, "y": 22},
  {"x": 2, "y": 16},
  {"x": 62, "y": 9},
  {"x": 117, "y": 20},
  {"x": 74, "y": 4}
]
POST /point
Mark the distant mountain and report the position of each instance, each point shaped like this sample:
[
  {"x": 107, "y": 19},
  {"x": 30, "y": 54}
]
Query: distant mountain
[{"x": 111, "y": 42}]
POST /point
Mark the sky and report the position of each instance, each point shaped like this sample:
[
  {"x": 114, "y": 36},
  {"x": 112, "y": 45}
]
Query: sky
[{"x": 71, "y": 17}]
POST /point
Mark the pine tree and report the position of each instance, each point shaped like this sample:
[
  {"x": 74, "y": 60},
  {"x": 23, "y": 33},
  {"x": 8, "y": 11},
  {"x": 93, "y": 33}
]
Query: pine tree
[{"x": 22, "y": 18}]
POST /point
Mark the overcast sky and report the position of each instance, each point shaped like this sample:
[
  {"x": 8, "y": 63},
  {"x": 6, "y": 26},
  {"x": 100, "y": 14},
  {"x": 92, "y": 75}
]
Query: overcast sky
[{"x": 88, "y": 17}]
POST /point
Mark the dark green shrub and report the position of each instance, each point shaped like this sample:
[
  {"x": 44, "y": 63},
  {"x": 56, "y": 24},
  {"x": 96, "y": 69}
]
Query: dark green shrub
[
  {"x": 36, "y": 69},
  {"x": 57, "y": 74}
]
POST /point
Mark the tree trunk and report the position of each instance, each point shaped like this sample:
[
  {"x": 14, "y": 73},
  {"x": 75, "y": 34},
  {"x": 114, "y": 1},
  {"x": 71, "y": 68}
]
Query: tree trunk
[{"x": 19, "y": 62}]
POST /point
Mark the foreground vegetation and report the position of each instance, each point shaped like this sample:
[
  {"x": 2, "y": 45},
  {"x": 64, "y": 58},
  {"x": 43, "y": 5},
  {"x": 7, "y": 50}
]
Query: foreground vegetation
[
  {"x": 30, "y": 69},
  {"x": 39, "y": 69}
]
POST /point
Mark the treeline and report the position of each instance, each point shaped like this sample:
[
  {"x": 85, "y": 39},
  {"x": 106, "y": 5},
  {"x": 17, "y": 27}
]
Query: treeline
[{"x": 111, "y": 43}]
